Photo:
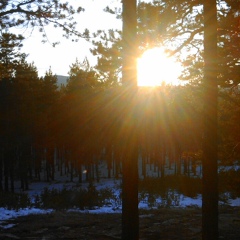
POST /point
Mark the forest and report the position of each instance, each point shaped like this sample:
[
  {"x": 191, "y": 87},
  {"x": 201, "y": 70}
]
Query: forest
[{"x": 49, "y": 127}]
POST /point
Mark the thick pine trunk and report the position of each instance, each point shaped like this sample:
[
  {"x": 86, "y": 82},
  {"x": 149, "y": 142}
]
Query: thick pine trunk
[
  {"x": 130, "y": 218},
  {"x": 210, "y": 176}
]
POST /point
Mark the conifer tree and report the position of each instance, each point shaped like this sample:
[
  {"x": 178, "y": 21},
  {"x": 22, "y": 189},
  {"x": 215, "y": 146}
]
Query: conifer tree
[
  {"x": 39, "y": 14},
  {"x": 210, "y": 139},
  {"x": 130, "y": 218}
]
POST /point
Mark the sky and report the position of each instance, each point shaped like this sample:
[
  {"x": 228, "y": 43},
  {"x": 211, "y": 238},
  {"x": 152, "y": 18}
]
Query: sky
[{"x": 60, "y": 58}]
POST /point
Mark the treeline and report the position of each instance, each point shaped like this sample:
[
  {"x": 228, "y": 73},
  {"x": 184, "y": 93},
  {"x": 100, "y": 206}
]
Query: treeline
[{"x": 86, "y": 121}]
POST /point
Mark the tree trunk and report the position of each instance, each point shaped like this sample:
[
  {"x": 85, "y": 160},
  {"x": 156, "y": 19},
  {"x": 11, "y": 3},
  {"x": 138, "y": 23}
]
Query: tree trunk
[
  {"x": 163, "y": 160},
  {"x": 109, "y": 159},
  {"x": 188, "y": 166},
  {"x": 144, "y": 156},
  {"x": 210, "y": 176},
  {"x": 6, "y": 173},
  {"x": 130, "y": 218},
  {"x": 79, "y": 172},
  {"x": 1, "y": 169},
  {"x": 97, "y": 170}
]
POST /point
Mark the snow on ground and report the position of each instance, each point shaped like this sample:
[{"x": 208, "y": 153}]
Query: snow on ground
[
  {"x": 177, "y": 200},
  {"x": 35, "y": 188},
  {"x": 6, "y": 214},
  {"x": 234, "y": 202},
  {"x": 234, "y": 167}
]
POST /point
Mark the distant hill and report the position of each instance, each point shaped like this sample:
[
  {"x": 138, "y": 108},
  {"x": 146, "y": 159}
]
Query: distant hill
[{"x": 62, "y": 80}]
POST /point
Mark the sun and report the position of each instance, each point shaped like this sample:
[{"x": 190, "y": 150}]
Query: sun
[{"x": 154, "y": 68}]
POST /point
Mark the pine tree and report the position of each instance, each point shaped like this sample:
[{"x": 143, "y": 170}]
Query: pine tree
[
  {"x": 130, "y": 218},
  {"x": 39, "y": 14},
  {"x": 210, "y": 141}
]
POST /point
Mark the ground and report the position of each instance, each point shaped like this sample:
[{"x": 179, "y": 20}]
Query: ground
[{"x": 165, "y": 223}]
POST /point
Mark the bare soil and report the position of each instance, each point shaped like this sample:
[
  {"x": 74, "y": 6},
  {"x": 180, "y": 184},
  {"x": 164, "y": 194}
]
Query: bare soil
[{"x": 166, "y": 223}]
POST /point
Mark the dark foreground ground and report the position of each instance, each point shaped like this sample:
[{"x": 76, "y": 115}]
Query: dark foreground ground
[{"x": 180, "y": 224}]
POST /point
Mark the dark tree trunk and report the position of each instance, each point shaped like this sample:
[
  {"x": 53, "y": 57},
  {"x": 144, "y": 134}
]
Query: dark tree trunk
[
  {"x": 71, "y": 171},
  {"x": 113, "y": 166},
  {"x": 159, "y": 160},
  {"x": 1, "y": 169},
  {"x": 178, "y": 159},
  {"x": 109, "y": 159},
  {"x": 130, "y": 217},
  {"x": 79, "y": 172},
  {"x": 194, "y": 167},
  {"x": 61, "y": 159},
  {"x": 38, "y": 161},
  {"x": 9, "y": 168},
  {"x": 170, "y": 156},
  {"x": 97, "y": 170},
  {"x": 6, "y": 173},
  {"x": 117, "y": 155},
  {"x": 47, "y": 171},
  {"x": 175, "y": 168},
  {"x": 188, "y": 166},
  {"x": 25, "y": 158},
  {"x": 12, "y": 179},
  {"x": 130, "y": 221},
  {"x": 210, "y": 176},
  {"x": 53, "y": 170},
  {"x": 185, "y": 165},
  {"x": 30, "y": 165},
  {"x": 50, "y": 162},
  {"x": 26, "y": 183},
  {"x": 144, "y": 156},
  {"x": 67, "y": 161},
  {"x": 88, "y": 172},
  {"x": 163, "y": 158},
  {"x": 93, "y": 171},
  {"x": 11, "y": 159}
]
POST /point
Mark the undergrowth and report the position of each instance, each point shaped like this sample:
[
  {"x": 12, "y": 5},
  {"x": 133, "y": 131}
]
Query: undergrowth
[
  {"x": 155, "y": 192},
  {"x": 190, "y": 187},
  {"x": 15, "y": 201}
]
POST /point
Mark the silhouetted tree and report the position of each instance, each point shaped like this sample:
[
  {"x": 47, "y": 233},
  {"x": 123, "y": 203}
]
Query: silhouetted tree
[
  {"x": 39, "y": 14},
  {"x": 210, "y": 138},
  {"x": 130, "y": 218}
]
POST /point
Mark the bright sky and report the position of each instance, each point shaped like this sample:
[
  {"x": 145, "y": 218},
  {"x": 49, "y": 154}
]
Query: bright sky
[{"x": 63, "y": 55}]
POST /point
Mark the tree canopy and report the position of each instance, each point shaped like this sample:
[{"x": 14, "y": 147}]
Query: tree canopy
[
  {"x": 178, "y": 27},
  {"x": 31, "y": 14}
]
